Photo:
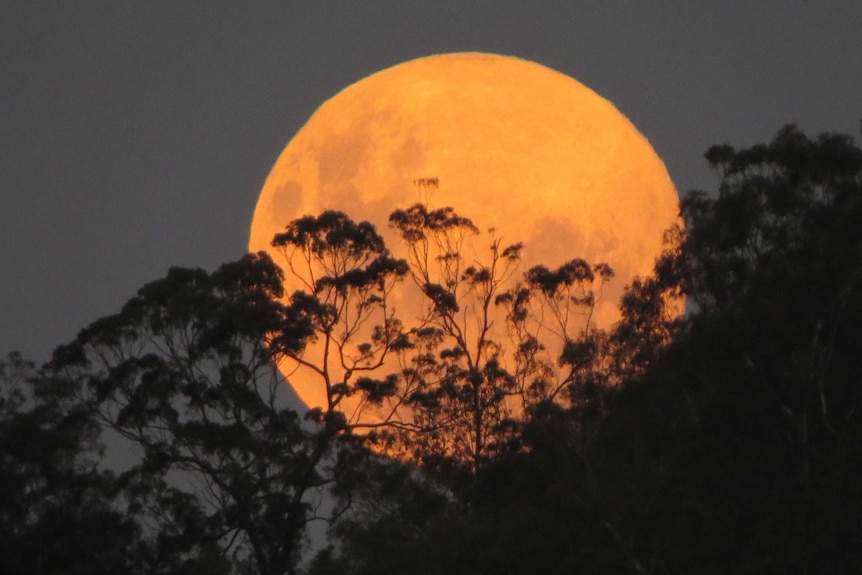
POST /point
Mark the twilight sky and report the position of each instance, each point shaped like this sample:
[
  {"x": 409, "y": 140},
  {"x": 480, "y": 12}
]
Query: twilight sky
[{"x": 136, "y": 135}]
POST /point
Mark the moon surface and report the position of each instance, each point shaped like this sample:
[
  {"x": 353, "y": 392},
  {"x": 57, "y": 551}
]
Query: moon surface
[{"x": 516, "y": 146}]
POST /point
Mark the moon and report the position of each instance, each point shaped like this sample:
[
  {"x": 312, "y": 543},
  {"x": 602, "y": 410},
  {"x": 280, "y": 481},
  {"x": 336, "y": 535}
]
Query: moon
[{"x": 516, "y": 147}]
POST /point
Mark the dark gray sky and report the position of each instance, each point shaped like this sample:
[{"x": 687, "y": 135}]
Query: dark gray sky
[{"x": 137, "y": 135}]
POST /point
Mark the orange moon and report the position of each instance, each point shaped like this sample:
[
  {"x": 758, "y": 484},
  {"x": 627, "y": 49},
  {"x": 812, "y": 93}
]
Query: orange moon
[{"x": 516, "y": 147}]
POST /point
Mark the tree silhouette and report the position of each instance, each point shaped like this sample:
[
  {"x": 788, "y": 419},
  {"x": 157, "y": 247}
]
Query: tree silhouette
[
  {"x": 492, "y": 428},
  {"x": 346, "y": 275},
  {"x": 185, "y": 372},
  {"x": 228, "y": 477},
  {"x": 780, "y": 246},
  {"x": 727, "y": 442},
  {"x": 448, "y": 387},
  {"x": 731, "y": 451},
  {"x": 57, "y": 508}
]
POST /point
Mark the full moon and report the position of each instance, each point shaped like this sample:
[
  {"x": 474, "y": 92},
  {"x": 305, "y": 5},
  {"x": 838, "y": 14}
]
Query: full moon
[{"x": 516, "y": 147}]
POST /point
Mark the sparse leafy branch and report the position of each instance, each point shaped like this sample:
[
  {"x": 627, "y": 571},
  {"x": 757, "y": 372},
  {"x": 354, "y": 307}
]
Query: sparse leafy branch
[
  {"x": 348, "y": 276},
  {"x": 458, "y": 389},
  {"x": 549, "y": 314},
  {"x": 473, "y": 371}
]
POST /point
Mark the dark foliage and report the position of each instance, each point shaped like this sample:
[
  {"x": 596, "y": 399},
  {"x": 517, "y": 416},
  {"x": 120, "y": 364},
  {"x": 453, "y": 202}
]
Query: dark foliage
[
  {"x": 728, "y": 441},
  {"x": 736, "y": 448},
  {"x": 228, "y": 475},
  {"x": 57, "y": 511}
]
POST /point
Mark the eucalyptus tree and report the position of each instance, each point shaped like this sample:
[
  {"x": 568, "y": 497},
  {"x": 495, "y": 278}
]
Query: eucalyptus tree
[
  {"x": 185, "y": 374},
  {"x": 735, "y": 450},
  {"x": 225, "y": 471},
  {"x": 447, "y": 382},
  {"x": 777, "y": 254},
  {"x": 731, "y": 442}
]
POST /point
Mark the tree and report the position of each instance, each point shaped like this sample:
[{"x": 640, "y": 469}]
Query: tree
[
  {"x": 446, "y": 390},
  {"x": 732, "y": 450},
  {"x": 185, "y": 372},
  {"x": 726, "y": 442},
  {"x": 346, "y": 275},
  {"x": 57, "y": 508},
  {"x": 229, "y": 477},
  {"x": 782, "y": 239},
  {"x": 525, "y": 439},
  {"x": 489, "y": 350}
]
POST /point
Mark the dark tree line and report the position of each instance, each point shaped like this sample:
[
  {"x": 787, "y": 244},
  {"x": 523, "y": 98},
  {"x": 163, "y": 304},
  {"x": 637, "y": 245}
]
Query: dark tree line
[{"x": 495, "y": 431}]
